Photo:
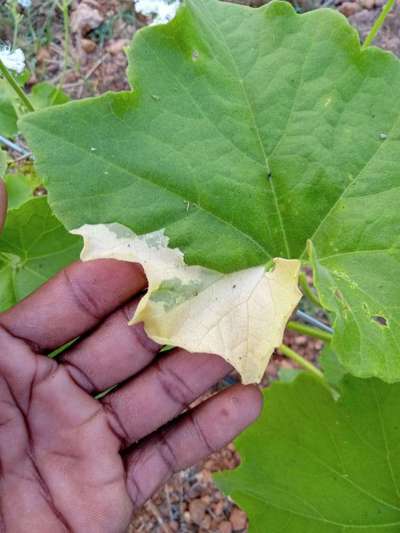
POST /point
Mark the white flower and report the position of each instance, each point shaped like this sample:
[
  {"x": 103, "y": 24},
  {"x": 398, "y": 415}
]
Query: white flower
[
  {"x": 161, "y": 10},
  {"x": 26, "y": 4},
  {"x": 13, "y": 60}
]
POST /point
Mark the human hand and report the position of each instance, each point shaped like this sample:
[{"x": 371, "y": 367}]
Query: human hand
[{"x": 69, "y": 462}]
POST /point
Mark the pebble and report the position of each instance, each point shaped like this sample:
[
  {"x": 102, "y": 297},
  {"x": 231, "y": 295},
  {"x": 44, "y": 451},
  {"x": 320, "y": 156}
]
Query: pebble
[
  {"x": 206, "y": 523},
  {"x": 88, "y": 45},
  {"x": 367, "y": 4},
  {"x": 225, "y": 527},
  {"x": 349, "y": 8},
  {"x": 197, "y": 510},
  {"x": 116, "y": 47},
  {"x": 238, "y": 520}
]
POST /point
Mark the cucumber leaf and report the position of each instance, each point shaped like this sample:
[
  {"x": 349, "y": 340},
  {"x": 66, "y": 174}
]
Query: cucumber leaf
[
  {"x": 20, "y": 188},
  {"x": 314, "y": 465},
  {"x": 248, "y": 133},
  {"x": 3, "y": 162},
  {"x": 333, "y": 370},
  {"x": 33, "y": 247},
  {"x": 8, "y": 114}
]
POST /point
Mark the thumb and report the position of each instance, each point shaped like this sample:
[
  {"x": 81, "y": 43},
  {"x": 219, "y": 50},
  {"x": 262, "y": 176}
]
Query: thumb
[{"x": 3, "y": 203}]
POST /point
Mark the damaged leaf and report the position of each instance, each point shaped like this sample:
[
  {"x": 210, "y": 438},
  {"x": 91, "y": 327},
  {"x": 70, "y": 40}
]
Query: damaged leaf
[
  {"x": 247, "y": 133},
  {"x": 240, "y": 316}
]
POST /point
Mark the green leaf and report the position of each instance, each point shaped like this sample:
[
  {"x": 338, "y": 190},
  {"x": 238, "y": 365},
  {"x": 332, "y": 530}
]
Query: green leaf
[
  {"x": 331, "y": 366},
  {"x": 33, "y": 247},
  {"x": 3, "y": 162},
  {"x": 8, "y": 114},
  {"x": 313, "y": 465},
  {"x": 45, "y": 94},
  {"x": 250, "y": 131},
  {"x": 361, "y": 287},
  {"x": 20, "y": 188}
]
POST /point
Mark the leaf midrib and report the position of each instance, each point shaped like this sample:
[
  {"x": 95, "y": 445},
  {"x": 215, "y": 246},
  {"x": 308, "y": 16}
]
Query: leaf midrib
[{"x": 207, "y": 15}]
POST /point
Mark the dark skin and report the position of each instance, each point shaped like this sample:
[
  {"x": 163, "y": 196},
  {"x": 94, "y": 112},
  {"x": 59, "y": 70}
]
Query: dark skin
[{"x": 69, "y": 462}]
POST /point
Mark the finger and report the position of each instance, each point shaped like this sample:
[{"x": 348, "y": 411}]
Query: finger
[
  {"x": 162, "y": 392},
  {"x": 112, "y": 353},
  {"x": 3, "y": 203},
  {"x": 73, "y": 302},
  {"x": 196, "y": 435}
]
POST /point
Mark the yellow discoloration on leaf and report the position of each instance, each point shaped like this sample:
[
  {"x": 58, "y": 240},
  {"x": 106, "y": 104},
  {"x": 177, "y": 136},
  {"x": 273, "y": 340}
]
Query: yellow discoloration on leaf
[{"x": 240, "y": 316}]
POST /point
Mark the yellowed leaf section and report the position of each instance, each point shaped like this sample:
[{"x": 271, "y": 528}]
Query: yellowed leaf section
[{"x": 240, "y": 316}]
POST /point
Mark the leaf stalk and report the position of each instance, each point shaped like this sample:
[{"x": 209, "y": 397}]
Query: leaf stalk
[
  {"x": 378, "y": 23},
  {"x": 301, "y": 361},
  {"x": 16, "y": 88},
  {"x": 310, "y": 331},
  {"x": 307, "y": 290}
]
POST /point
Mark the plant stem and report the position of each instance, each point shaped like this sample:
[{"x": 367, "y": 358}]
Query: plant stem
[
  {"x": 307, "y": 291},
  {"x": 297, "y": 358},
  {"x": 310, "y": 331},
  {"x": 64, "y": 6},
  {"x": 378, "y": 23},
  {"x": 16, "y": 19},
  {"x": 14, "y": 85}
]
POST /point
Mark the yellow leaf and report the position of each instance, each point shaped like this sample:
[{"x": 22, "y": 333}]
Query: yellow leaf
[{"x": 239, "y": 316}]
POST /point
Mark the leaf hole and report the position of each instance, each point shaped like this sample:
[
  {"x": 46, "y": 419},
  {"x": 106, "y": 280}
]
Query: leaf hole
[
  {"x": 381, "y": 320},
  {"x": 195, "y": 55}
]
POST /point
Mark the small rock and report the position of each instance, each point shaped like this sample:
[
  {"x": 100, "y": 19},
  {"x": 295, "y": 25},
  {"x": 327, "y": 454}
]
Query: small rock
[
  {"x": 88, "y": 45},
  {"x": 206, "y": 499},
  {"x": 349, "y": 8},
  {"x": 225, "y": 527},
  {"x": 117, "y": 46},
  {"x": 197, "y": 509},
  {"x": 206, "y": 523},
  {"x": 238, "y": 520},
  {"x": 85, "y": 18},
  {"x": 367, "y": 4},
  {"x": 219, "y": 507}
]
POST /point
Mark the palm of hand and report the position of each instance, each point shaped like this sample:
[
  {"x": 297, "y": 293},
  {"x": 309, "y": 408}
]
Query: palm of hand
[{"x": 69, "y": 462}]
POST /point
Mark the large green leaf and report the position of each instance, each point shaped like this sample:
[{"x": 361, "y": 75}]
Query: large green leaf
[
  {"x": 33, "y": 247},
  {"x": 313, "y": 465},
  {"x": 248, "y": 132}
]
